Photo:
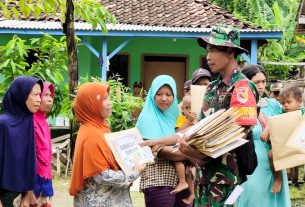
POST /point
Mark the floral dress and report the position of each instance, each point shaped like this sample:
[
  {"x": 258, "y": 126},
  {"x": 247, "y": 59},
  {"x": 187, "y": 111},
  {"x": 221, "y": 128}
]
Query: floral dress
[{"x": 107, "y": 189}]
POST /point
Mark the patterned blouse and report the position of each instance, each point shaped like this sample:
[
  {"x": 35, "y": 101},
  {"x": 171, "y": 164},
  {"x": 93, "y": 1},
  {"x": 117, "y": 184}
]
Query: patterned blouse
[{"x": 107, "y": 189}]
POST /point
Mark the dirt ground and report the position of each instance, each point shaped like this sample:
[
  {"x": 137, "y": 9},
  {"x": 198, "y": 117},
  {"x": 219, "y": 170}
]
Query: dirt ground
[
  {"x": 61, "y": 195},
  {"x": 63, "y": 199}
]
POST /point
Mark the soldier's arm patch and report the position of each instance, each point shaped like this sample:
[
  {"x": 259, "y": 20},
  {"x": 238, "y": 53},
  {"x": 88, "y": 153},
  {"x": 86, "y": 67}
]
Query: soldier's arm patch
[{"x": 243, "y": 100}]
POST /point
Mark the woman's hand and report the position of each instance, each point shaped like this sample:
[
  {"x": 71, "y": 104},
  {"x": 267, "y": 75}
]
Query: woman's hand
[
  {"x": 184, "y": 146},
  {"x": 139, "y": 168},
  {"x": 154, "y": 144},
  {"x": 28, "y": 200},
  {"x": 150, "y": 143}
]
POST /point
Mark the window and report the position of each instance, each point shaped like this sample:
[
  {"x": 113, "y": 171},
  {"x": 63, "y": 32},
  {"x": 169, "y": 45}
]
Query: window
[{"x": 119, "y": 64}]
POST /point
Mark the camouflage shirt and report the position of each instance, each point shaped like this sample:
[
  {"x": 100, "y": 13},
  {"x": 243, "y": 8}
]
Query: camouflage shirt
[
  {"x": 218, "y": 177},
  {"x": 219, "y": 92}
]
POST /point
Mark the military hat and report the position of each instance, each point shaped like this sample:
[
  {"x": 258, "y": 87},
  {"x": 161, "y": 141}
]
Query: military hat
[
  {"x": 223, "y": 35},
  {"x": 199, "y": 73}
]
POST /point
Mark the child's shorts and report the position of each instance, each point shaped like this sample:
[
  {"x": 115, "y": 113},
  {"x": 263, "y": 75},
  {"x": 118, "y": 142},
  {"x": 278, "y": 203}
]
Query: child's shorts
[{"x": 43, "y": 187}]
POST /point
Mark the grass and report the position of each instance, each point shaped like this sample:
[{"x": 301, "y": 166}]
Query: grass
[
  {"x": 297, "y": 194},
  {"x": 63, "y": 199},
  {"x": 137, "y": 199}
]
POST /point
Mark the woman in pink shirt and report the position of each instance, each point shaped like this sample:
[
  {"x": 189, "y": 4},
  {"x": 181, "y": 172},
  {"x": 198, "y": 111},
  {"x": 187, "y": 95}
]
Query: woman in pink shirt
[{"x": 43, "y": 188}]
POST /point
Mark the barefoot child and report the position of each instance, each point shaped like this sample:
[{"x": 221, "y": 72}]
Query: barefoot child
[
  {"x": 291, "y": 99},
  {"x": 277, "y": 182},
  {"x": 184, "y": 173}
]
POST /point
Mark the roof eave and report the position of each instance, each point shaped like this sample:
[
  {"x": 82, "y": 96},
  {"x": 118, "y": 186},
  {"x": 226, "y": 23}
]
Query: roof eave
[
  {"x": 170, "y": 34},
  {"x": 125, "y": 30}
]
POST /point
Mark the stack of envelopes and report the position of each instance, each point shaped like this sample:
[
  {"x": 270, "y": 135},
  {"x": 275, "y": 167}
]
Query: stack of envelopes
[{"x": 216, "y": 134}]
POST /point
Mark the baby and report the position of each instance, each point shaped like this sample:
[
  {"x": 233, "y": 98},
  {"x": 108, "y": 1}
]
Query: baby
[{"x": 185, "y": 120}]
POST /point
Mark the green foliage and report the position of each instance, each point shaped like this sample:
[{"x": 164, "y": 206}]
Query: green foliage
[
  {"x": 272, "y": 14},
  {"x": 226, "y": 4},
  {"x": 297, "y": 193},
  {"x": 241, "y": 9},
  {"x": 89, "y": 10},
  {"x": 123, "y": 103},
  {"x": 49, "y": 59},
  {"x": 282, "y": 17}
]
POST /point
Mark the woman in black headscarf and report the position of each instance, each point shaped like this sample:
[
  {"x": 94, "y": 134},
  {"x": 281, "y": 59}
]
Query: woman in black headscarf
[{"x": 17, "y": 144}]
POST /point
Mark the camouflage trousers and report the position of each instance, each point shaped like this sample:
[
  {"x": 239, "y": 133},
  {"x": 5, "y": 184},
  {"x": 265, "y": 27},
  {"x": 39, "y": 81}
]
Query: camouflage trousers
[{"x": 215, "y": 181}]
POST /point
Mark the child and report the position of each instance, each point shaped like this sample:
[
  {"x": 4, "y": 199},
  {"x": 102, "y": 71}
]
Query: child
[
  {"x": 275, "y": 90},
  {"x": 291, "y": 99},
  {"x": 185, "y": 120}
]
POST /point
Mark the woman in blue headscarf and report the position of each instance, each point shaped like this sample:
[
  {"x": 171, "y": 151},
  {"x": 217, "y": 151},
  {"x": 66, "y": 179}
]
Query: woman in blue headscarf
[
  {"x": 17, "y": 144},
  {"x": 157, "y": 120}
]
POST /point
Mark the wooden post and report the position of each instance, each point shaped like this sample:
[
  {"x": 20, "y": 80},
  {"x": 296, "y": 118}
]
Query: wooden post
[
  {"x": 58, "y": 161},
  {"x": 302, "y": 71}
]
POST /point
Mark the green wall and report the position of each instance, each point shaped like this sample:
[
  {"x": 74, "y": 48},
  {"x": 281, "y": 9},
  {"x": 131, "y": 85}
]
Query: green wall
[
  {"x": 139, "y": 46},
  {"x": 88, "y": 62},
  {"x": 4, "y": 39}
]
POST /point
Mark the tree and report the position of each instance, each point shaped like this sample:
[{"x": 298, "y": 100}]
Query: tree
[
  {"x": 88, "y": 10},
  {"x": 272, "y": 14},
  {"x": 43, "y": 57}
]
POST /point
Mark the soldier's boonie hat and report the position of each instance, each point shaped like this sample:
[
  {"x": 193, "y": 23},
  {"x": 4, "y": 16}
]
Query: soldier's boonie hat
[{"x": 223, "y": 35}]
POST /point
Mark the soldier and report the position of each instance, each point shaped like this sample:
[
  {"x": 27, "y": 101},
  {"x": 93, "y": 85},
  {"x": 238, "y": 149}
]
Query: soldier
[{"x": 216, "y": 178}]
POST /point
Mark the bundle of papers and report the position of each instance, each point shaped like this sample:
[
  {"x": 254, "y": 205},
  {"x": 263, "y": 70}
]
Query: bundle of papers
[
  {"x": 216, "y": 134},
  {"x": 126, "y": 149},
  {"x": 197, "y": 96}
]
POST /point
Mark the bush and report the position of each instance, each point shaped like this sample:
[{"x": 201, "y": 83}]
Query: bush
[
  {"x": 123, "y": 103},
  {"x": 44, "y": 57}
]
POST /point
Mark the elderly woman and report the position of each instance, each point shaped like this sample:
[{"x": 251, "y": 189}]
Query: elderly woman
[
  {"x": 43, "y": 183},
  {"x": 96, "y": 179},
  {"x": 17, "y": 143}
]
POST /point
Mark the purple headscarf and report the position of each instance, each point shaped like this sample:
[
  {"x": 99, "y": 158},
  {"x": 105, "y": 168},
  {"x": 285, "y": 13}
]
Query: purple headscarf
[{"x": 17, "y": 144}]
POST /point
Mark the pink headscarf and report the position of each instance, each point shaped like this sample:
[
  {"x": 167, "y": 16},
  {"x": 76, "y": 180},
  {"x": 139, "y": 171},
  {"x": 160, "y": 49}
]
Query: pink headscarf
[{"x": 43, "y": 139}]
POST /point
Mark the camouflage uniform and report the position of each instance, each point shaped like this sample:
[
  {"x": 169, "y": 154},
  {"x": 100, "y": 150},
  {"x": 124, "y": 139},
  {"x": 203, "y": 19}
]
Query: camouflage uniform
[{"x": 218, "y": 177}]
